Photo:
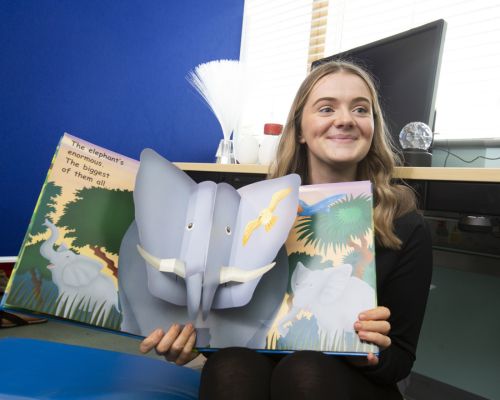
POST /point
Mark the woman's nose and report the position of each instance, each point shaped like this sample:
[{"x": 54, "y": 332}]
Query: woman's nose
[{"x": 343, "y": 119}]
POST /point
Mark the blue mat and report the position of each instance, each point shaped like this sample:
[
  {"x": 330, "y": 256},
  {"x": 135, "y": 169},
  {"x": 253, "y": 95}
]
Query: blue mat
[{"x": 37, "y": 369}]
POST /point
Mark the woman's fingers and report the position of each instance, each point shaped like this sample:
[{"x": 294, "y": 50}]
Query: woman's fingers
[
  {"x": 176, "y": 344},
  {"x": 187, "y": 354},
  {"x": 383, "y": 327},
  {"x": 375, "y": 314},
  {"x": 164, "y": 347},
  {"x": 151, "y": 341},
  {"x": 373, "y": 326},
  {"x": 376, "y": 338},
  {"x": 371, "y": 359}
]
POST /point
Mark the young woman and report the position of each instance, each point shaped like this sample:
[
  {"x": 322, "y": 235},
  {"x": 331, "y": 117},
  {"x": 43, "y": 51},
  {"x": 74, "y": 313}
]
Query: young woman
[{"x": 335, "y": 132}]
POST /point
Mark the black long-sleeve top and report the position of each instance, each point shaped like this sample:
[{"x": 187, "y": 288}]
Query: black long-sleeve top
[{"x": 403, "y": 281}]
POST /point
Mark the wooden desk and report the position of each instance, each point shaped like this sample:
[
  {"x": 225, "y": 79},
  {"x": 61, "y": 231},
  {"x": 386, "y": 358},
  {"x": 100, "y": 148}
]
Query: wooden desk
[{"x": 418, "y": 173}]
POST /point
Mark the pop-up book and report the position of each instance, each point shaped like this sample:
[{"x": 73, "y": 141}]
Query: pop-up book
[{"x": 131, "y": 246}]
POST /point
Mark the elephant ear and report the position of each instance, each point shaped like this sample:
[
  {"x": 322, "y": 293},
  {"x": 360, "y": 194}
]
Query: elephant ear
[
  {"x": 333, "y": 283},
  {"x": 161, "y": 197},
  {"x": 266, "y": 213},
  {"x": 81, "y": 272},
  {"x": 272, "y": 202}
]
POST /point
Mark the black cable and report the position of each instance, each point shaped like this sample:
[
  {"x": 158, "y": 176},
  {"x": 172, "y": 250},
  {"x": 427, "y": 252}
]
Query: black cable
[
  {"x": 460, "y": 158},
  {"x": 447, "y": 152}
]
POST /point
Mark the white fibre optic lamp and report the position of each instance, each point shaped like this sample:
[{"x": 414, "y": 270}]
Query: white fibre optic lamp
[{"x": 416, "y": 139}]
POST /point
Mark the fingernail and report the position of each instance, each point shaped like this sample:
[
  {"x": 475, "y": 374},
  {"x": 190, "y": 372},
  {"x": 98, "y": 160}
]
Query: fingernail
[
  {"x": 357, "y": 326},
  {"x": 361, "y": 316}
]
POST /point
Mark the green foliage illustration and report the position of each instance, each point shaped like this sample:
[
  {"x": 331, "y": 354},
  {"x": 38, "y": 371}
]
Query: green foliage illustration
[
  {"x": 46, "y": 206},
  {"x": 344, "y": 221},
  {"x": 99, "y": 218}
]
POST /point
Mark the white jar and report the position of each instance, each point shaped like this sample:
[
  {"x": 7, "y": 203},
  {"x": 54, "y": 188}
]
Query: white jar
[
  {"x": 269, "y": 144},
  {"x": 247, "y": 149}
]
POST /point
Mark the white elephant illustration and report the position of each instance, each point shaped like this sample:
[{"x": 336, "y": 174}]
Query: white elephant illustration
[
  {"x": 332, "y": 295},
  {"x": 78, "y": 279}
]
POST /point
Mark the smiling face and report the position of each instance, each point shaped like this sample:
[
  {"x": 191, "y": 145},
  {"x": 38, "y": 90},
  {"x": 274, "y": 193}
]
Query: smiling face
[{"x": 337, "y": 127}]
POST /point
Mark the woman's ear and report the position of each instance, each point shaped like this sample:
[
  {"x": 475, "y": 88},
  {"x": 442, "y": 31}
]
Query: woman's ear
[{"x": 300, "y": 138}]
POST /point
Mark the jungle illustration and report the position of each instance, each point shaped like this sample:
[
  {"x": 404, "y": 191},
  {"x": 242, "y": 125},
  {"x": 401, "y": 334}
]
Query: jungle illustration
[
  {"x": 68, "y": 263},
  {"x": 331, "y": 271}
]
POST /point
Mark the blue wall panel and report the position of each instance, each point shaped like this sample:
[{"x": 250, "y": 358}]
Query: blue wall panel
[{"x": 111, "y": 72}]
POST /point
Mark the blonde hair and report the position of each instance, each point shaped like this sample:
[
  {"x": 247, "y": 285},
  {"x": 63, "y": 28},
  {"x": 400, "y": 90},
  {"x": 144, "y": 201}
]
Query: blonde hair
[{"x": 390, "y": 200}]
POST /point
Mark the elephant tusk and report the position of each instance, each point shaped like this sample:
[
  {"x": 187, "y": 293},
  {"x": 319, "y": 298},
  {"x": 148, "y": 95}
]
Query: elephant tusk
[
  {"x": 233, "y": 274},
  {"x": 172, "y": 265}
]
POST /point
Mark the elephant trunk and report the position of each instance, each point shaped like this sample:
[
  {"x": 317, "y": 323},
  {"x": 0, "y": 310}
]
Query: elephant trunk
[
  {"x": 47, "y": 248},
  {"x": 208, "y": 298},
  {"x": 194, "y": 285}
]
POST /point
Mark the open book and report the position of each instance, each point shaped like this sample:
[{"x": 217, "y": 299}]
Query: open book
[{"x": 130, "y": 247}]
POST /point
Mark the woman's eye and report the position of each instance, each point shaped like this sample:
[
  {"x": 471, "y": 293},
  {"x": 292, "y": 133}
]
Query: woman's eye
[
  {"x": 326, "y": 109},
  {"x": 361, "y": 110}
]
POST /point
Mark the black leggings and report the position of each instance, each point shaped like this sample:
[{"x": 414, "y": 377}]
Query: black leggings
[{"x": 239, "y": 373}]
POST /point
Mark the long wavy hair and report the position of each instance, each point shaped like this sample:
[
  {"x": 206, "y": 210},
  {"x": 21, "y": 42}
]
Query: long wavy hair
[{"x": 390, "y": 200}]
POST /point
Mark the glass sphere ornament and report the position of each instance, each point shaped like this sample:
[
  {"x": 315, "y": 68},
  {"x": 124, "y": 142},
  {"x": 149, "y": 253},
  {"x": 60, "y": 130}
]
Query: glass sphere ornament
[
  {"x": 416, "y": 135},
  {"x": 416, "y": 139}
]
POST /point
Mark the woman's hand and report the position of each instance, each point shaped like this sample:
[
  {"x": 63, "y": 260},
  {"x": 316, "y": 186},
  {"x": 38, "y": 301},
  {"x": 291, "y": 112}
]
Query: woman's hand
[
  {"x": 373, "y": 326},
  {"x": 176, "y": 345}
]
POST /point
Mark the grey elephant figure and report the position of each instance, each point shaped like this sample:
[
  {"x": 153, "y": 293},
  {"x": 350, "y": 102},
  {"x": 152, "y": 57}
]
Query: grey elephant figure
[
  {"x": 333, "y": 296},
  {"x": 205, "y": 253},
  {"x": 78, "y": 280}
]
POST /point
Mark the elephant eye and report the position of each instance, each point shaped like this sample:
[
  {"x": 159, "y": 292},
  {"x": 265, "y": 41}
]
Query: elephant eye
[
  {"x": 189, "y": 226},
  {"x": 228, "y": 230}
]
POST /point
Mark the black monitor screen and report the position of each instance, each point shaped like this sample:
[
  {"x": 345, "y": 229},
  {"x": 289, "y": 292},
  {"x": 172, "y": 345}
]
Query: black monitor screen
[{"x": 406, "y": 70}]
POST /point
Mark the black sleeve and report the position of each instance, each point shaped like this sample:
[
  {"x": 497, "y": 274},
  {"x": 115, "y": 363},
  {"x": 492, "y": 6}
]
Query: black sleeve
[{"x": 403, "y": 281}]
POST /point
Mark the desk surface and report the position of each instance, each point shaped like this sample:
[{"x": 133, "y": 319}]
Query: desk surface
[
  {"x": 34, "y": 369},
  {"x": 420, "y": 173}
]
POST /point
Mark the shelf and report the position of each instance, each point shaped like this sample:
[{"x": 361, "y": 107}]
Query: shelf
[{"x": 414, "y": 173}]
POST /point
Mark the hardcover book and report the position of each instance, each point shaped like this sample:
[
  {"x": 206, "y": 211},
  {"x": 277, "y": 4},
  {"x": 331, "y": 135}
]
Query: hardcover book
[{"x": 129, "y": 246}]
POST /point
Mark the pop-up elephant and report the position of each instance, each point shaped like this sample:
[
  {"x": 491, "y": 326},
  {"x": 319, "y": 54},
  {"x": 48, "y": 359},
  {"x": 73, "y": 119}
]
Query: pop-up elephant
[
  {"x": 78, "y": 279},
  {"x": 206, "y": 253}
]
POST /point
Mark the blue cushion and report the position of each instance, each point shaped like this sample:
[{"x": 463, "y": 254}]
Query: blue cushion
[{"x": 41, "y": 369}]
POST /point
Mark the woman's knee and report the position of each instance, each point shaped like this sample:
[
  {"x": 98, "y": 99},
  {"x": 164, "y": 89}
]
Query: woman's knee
[
  {"x": 308, "y": 375},
  {"x": 300, "y": 362},
  {"x": 232, "y": 373}
]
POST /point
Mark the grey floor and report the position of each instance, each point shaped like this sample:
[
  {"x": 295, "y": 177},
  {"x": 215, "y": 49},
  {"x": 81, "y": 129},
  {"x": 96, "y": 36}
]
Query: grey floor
[{"x": 63, "y": 332}]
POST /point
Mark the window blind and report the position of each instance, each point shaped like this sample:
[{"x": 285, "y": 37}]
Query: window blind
[
  {"x": 275, "y": 50},
  {"x": 317, "y": 36},
  {"x": 282, "y": 37}
]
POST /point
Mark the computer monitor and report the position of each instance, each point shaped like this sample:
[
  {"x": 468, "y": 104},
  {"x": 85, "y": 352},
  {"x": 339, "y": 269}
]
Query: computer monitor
[{"x": 406, "y": 70}]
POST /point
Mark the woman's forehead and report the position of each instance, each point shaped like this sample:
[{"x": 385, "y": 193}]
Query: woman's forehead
[{"x": 341, "y": 83}]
